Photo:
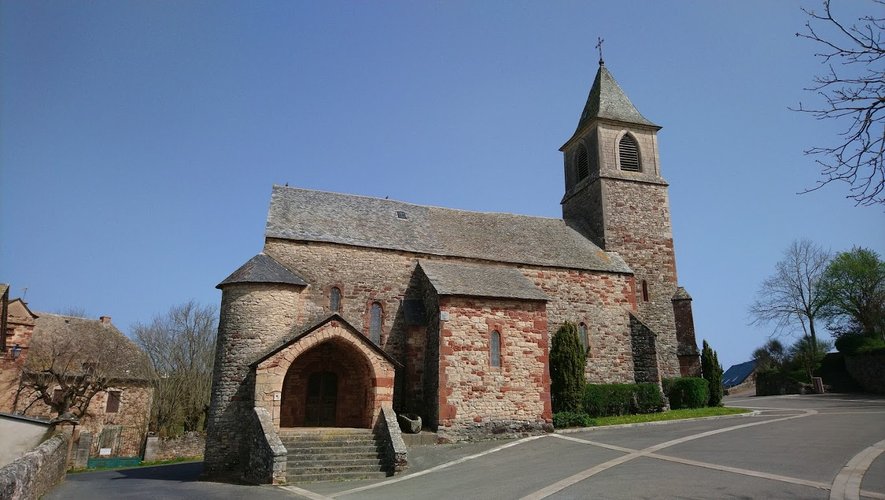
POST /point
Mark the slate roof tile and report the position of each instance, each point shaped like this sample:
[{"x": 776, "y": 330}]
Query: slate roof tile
[
  {"x": 477, "y": 280},
  {"x": 307, "y": 215},
  {"x": 263, "y": 269}
]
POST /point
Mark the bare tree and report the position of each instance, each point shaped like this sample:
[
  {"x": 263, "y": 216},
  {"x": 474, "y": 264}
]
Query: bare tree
[
  {"x": 73, "y": 359},
  {"x": 852, "y": 91},
  {"x": 792, "y": 296},
  {"x": 181, "y": 346}
]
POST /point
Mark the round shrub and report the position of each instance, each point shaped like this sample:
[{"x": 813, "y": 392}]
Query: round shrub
[
  {"x": 687, "y": 392},
  {"x": 565, "y": 419}
]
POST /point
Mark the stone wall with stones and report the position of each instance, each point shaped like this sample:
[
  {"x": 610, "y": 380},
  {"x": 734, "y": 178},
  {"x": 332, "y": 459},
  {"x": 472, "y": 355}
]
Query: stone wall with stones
[
  {"x": 188, "y": 445},
  {"x": 868, "y": 370},
  {"x": 638, "y": 228},
  {"x": 602, "y": 302},
  {"x": 689, "y": 357},
  {"x": 645, "y": 356},
  {"x": 123, "y": 431},
  {"x": 477, "y": 399},
  {"x": 35, "y": 473},
  {"x": 253, "y": 318}
]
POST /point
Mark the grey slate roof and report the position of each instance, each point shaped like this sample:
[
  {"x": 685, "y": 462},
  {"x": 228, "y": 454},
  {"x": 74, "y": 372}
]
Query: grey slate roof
[
  {"x": 306, "y": 215},
  {"x": 608, "y": 101},
  {"x": 477, "y": 280},
  {"x": 263, "y": 269}
]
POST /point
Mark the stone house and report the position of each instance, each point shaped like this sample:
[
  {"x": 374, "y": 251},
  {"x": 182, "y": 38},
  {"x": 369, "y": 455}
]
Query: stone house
[
  {"x": 357, "y": 304},
  {"x": 116, "y": 419}
]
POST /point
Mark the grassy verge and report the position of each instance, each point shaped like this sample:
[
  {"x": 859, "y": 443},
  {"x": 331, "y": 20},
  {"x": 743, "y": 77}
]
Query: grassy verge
[{"x": 667, "y": 415}]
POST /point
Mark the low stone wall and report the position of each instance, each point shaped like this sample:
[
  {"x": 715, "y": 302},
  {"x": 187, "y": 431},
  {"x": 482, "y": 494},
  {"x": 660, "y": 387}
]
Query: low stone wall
[
  {"x": 868, "y": 370},
  {"x": 267, "y": 455},
  {"x": 395, "y": 451},
  {"x": 36, "y": 472},
  {"x": 188, "y": 445}
]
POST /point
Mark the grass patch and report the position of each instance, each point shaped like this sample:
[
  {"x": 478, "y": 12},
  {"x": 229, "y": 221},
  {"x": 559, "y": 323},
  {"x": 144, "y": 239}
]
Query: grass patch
[{"x": 667, "y": 415}]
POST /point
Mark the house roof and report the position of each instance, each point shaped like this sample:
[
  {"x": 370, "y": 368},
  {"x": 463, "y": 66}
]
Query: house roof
[
  {"x": 89, "y": 337},
  {"x": 456, "y": 278},
  {"x": 608, "y": 101},
  {"x": 263, "y": 269},
  {"x": 303, "y": 332},
  {"x": 307, "y": 215},
  {"x": 738, "y": 373}
]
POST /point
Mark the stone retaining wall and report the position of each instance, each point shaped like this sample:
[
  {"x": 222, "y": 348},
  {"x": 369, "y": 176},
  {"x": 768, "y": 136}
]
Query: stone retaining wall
[
  {"x": 868, "y": 370},
  {"x": 190, "y": 444},
  {"x": 36, "y": 472}
]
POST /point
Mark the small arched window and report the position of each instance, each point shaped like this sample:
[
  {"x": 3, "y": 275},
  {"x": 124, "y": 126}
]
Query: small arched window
[
  {"x": 644, "y": 291},
  {"x": 582, "y": 162},
  {"x": 582, "y": 336},
  {"x": 495, "y": 349},
  {"x": 628, "y": 152},
  {"x": 375, "y": 323},
  {"x": 335, "y": 299}
]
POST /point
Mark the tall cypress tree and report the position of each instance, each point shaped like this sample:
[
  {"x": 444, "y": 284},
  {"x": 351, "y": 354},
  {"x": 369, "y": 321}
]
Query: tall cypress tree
[
  {"x": 713, "y": 373},
  {"x": 566, "y": 369}
]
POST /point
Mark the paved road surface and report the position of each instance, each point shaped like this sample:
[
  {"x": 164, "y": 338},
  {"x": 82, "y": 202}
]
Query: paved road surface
[{"x": 828, "y": 446}]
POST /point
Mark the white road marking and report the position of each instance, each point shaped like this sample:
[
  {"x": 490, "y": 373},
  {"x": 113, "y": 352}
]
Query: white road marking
[
  {"x": 305, "y": 493},
  {"x": 847, "y": 482},
  {"x": 576, "y": 478},
  {"x": 434, "y": 469}
]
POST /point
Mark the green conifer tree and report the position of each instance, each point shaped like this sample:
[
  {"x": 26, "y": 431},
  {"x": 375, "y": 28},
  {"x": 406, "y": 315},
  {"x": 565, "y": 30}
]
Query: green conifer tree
[
  {"x": 712, "y": 373},
  {"x": 566, "y": 369}
]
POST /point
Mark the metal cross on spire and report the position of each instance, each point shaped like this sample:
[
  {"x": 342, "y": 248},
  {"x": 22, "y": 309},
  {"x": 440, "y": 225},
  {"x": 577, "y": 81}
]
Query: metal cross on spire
[{"x": 599, "y": 41}]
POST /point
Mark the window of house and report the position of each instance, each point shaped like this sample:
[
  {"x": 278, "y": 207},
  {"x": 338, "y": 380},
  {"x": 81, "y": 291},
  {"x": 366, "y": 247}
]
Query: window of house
[
  {"x": 582, "y": 336},
  {"x": 582, "y": 162},
  {"x": 628, "y": 151},
  {"x": 56, "y": 396},
  {"x": 644, "y": 291},
  {"x": 375, "y": 323},
  {"x": 495, "y": 349},
  {"x": 335, "y": 299},
  {"x": 113, "y": 402}
]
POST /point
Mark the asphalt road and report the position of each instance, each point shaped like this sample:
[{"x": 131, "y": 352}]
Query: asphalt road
[{"x": 826, "y": 446}]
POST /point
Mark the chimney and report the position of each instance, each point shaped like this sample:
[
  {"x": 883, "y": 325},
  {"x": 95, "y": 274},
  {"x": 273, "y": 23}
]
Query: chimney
[{"x": 106, "y": 320}]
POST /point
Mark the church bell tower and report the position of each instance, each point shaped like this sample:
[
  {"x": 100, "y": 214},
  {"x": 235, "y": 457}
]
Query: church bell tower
[{"x": 615, "y": 196}]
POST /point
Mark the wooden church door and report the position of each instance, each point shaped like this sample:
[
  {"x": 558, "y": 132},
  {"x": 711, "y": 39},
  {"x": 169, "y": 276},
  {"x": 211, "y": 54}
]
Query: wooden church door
[{"x": 322, "y": 398}]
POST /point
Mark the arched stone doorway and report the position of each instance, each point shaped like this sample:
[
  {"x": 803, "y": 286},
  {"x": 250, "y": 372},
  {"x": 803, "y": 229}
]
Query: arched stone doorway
[{"x": 329, "y": 385}]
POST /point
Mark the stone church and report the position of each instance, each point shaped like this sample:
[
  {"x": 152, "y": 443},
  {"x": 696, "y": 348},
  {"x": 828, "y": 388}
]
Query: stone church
[{"x": 359, "y": 307}]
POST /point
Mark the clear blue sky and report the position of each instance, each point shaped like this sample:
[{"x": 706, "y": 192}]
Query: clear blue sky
[{"x": 139, "y": 140}]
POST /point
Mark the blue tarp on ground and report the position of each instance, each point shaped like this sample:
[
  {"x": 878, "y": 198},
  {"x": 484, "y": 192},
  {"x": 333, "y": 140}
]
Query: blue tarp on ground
[{"x": 738, "y": 373}]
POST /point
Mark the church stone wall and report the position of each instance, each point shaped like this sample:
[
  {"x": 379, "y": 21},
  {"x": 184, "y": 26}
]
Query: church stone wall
[
  {"x": 601, "y": 301},
  {"x": 253, "y": 318},
  {"x": 477, "y": 399}
]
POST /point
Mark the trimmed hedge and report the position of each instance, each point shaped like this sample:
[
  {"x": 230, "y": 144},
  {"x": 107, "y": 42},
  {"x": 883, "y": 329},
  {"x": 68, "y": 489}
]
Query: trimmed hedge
[
  {"x": 687, "y": 392},
  {"x": 565, "y": 419},
  {"x": 858, "y": 344},
  {"x": 606, "y": 400}
]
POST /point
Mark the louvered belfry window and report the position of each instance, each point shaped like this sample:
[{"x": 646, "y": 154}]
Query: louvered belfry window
[
  {"x": 582, "y": 162},
  {"x": 629, "y": 153}
]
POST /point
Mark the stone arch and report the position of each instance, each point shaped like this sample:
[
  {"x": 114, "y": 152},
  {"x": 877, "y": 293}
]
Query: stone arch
[
  {"x": 365, "y": 375},
  {"x": 351, "y": 401}
]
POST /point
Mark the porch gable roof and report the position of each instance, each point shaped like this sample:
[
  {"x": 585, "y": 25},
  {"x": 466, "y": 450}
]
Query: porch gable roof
[{"x": 312, "y": 327}]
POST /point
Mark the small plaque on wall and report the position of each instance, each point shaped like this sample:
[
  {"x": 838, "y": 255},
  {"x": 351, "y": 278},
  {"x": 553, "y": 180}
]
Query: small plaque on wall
[{"x": 104, "y": 452}]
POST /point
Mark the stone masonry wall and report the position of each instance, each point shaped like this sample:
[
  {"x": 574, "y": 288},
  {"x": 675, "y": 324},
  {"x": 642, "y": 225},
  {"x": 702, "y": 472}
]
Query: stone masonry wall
[
  {"x": 478, "y": 400},
  {"x": 188, "y": 445},
  {"x": 253, "y": 318},
  {"x": 601, "y": 301},
  {"x": 125, "y": 430},
  {"x": 36, "y": 472},
  {"x": 638, "y": 228}
]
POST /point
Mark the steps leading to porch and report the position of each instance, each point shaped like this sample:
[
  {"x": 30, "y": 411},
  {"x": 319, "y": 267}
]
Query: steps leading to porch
[{"x": 331, "y": 454}]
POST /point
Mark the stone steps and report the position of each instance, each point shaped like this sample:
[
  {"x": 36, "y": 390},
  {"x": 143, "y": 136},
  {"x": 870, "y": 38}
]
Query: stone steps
[{"x": 331, "y": 455}]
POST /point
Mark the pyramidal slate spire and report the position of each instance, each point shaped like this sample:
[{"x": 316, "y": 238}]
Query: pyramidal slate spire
[{"x": 607, "y": 101}]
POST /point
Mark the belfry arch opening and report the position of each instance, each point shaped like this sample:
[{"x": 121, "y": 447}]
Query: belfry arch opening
[{"x": 329, "y": 385}]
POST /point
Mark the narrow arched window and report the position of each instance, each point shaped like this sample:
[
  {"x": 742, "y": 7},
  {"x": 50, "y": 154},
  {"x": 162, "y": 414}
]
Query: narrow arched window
[
  {"x": 644, "y": 291},
  {"x": 582, "y": 336},
  {"x": 335, "y": 299},
  {"x": 375, "y": 323},
  {"x": 628, "y": 151},
  {"x": 582, "y": 162},
  {"x": 495, "y": 349}
]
